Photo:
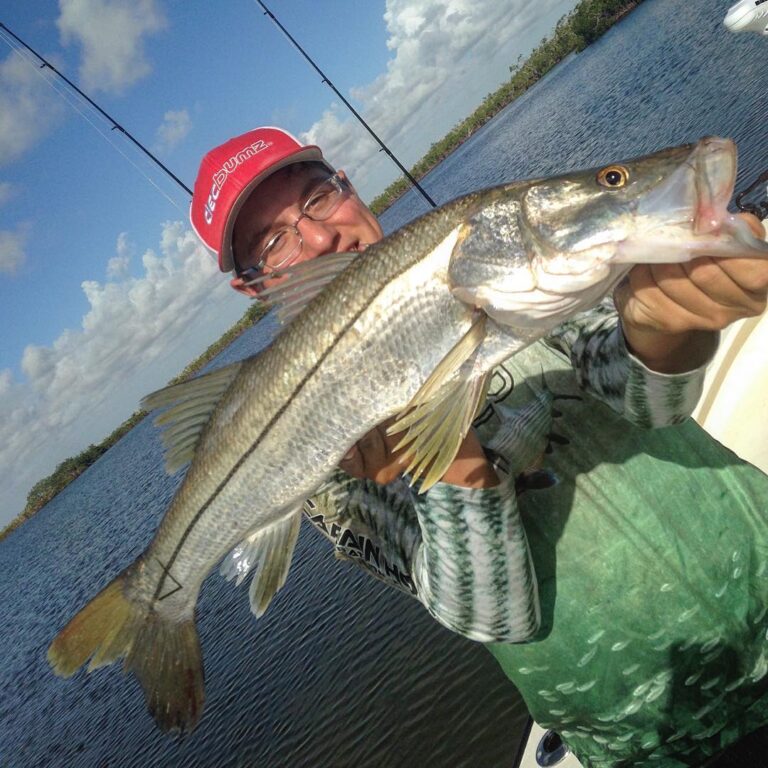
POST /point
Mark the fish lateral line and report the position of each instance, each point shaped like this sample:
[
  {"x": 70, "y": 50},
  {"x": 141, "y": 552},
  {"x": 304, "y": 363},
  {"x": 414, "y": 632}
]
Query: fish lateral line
[
  {"x": 166, "y": 572},
  {"x": 278, "y": 414}
]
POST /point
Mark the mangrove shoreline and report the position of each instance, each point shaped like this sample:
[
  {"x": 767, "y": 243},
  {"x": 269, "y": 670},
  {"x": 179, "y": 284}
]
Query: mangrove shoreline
[{"x": 573, "y": 33}]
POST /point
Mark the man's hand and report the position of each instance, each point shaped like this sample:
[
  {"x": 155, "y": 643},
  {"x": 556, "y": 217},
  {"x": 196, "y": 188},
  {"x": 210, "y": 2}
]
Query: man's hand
[
  {"x": 671, "y": 313},
  {"x": 374, "y": 457}
]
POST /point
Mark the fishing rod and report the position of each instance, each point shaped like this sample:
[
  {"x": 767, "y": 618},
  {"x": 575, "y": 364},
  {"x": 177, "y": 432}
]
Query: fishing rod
[
  {"x": 115, "y": 124},
  {"x": 365, "y": 125}
]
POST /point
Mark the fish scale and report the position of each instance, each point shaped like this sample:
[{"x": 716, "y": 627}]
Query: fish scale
[{"x": 285, "y": 411}]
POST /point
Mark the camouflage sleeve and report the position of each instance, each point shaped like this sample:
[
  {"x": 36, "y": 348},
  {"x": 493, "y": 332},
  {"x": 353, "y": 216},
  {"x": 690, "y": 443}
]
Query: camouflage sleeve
[
  {"x": 371, "y": 525},
  {"x": 474, "y": 570},
  {"x": 462, "y": 553},
  {"x": 605, "y": 368}
]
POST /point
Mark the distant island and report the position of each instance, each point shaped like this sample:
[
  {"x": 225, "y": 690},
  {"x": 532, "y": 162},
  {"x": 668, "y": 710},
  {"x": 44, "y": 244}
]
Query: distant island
[
  {"x": 573, "y": 33},
  {"x": 69, "y": 469}
]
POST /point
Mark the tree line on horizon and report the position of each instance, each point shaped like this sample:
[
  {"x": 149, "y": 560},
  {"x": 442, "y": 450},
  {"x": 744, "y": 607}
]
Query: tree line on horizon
[
  {"x": 68, "y": 470},
  {"x": 574, "y": 32}
]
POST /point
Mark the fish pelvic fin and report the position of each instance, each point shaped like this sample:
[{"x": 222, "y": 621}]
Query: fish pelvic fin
[{"x": 164, "y": 654}]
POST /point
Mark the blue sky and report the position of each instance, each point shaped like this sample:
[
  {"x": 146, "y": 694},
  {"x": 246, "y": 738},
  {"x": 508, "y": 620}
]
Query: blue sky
[{"x": 105, "y": 293}]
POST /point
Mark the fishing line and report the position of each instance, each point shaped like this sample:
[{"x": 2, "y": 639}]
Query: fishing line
[
  {"x": 211, "y": 280},
  {"x": 77, "y": 105},
  {"x": 325, "y": 79},
  {"x": 115, "y": 125}
]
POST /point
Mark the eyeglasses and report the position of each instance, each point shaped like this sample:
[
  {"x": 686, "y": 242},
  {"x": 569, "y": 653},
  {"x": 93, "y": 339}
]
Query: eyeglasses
[{"x": 284, "y": 246}]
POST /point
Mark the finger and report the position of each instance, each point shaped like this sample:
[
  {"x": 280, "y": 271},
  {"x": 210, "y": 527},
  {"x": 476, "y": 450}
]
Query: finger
[
  {"x": 369, "y": 458},
  {"x": 373, "y": 448},
  {"x": 758, "y": 230},
  {"x": 353, "y": 463},
  {"x": 681, "y": 297},
  {"x": 737, "y": 284},
  {"x": 641, "y": 302},
  {"x": 751, "y": 274},
  {"x": 705, "y": 289}
]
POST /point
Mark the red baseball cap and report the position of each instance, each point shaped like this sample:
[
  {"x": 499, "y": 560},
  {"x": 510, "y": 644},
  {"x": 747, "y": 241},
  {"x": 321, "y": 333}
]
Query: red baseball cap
[{"x": 227, "y": 176}]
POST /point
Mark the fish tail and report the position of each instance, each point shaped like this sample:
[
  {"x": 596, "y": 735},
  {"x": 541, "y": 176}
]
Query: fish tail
[{"x": 164, "y": 654}]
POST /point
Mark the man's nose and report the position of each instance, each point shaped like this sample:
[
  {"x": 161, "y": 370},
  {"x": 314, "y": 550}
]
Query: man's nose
[{"x": 319, "y": 236}]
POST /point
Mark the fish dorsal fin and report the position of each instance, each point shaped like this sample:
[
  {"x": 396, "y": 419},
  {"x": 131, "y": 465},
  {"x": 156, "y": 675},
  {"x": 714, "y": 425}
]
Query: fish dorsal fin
[
  {"x": 191, "y": 404},
  {"x": 268, "y": 551},
  {"x": 303, "y": 282},
  {"x": 439, "y": 416}
]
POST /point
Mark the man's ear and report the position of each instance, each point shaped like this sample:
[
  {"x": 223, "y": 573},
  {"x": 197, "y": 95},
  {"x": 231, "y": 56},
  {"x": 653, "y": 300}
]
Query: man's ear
[{"x": 246, "y": 290}]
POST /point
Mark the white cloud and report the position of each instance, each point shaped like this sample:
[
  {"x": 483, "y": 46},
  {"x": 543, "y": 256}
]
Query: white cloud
[
  {"x": 27, "y": 109},
  {"x": 447, "y": 54},
  {"x": 111, "y": 34},
  {"x": 7, "y": 191},
  {"x": 117, "y": 266},
  {"x": 137, "y": 334},
  {"x": 174, "y": 129},
  {"x": 6, "y": 380},
  {"x": 12, "y": 249}
]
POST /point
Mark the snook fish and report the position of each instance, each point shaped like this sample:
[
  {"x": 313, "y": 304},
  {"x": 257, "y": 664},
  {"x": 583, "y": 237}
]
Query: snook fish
[{"x": 412, "y": 327}]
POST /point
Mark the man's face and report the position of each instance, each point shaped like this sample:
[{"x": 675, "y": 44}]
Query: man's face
[{"x": 277, "y": 203}]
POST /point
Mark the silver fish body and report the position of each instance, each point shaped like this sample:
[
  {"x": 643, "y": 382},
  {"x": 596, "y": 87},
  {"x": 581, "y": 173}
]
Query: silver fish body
[{"x": 413, "y": 328}]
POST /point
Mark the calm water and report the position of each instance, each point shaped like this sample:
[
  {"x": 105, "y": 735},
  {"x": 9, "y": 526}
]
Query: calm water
[{"x": 343, "y": 671}]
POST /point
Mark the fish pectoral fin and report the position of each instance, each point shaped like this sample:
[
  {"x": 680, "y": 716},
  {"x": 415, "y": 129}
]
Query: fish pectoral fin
[
  {"x": 439, "y": 416},
  {"x": 268, "y": 553},
  {"x": 163, "y": 653},
  {"x": 191, "y": 404},
  {"x": 303, "y": 281},
  {"x": 447, "y": 370}
]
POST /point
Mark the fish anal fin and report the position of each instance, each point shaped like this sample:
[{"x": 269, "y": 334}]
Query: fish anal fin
[
  {"x": 164, "y": 654},
  {"x": 268, "y": 553}
]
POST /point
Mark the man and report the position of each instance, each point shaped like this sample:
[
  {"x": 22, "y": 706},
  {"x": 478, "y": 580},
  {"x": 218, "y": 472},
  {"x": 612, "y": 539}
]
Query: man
[{"x": 612, "y": 545}]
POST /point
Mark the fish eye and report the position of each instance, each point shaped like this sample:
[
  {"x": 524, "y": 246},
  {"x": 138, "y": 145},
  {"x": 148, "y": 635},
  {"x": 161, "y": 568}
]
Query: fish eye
[{"x": 613, "y": 176}]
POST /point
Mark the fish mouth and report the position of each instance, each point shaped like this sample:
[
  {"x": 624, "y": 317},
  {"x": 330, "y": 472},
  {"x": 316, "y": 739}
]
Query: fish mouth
[
  {"x": 697, "y": 192},
  {"x": 688, "y": 211},
  {"x": 714, "y": 163}
]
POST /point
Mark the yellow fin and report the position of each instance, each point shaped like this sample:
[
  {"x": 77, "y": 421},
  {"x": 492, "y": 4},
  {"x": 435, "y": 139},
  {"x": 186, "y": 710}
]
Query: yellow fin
[
  {"x": 440, "y": 414},
  {"x": 276, "y": 544},
  {"x": 93, "y": 632},
  {"x": 191, "y": 404},
  {"x": 448, "y": 367},
  {"x": 267, "y": 552},
  {"x": 164, "y": 654}
]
